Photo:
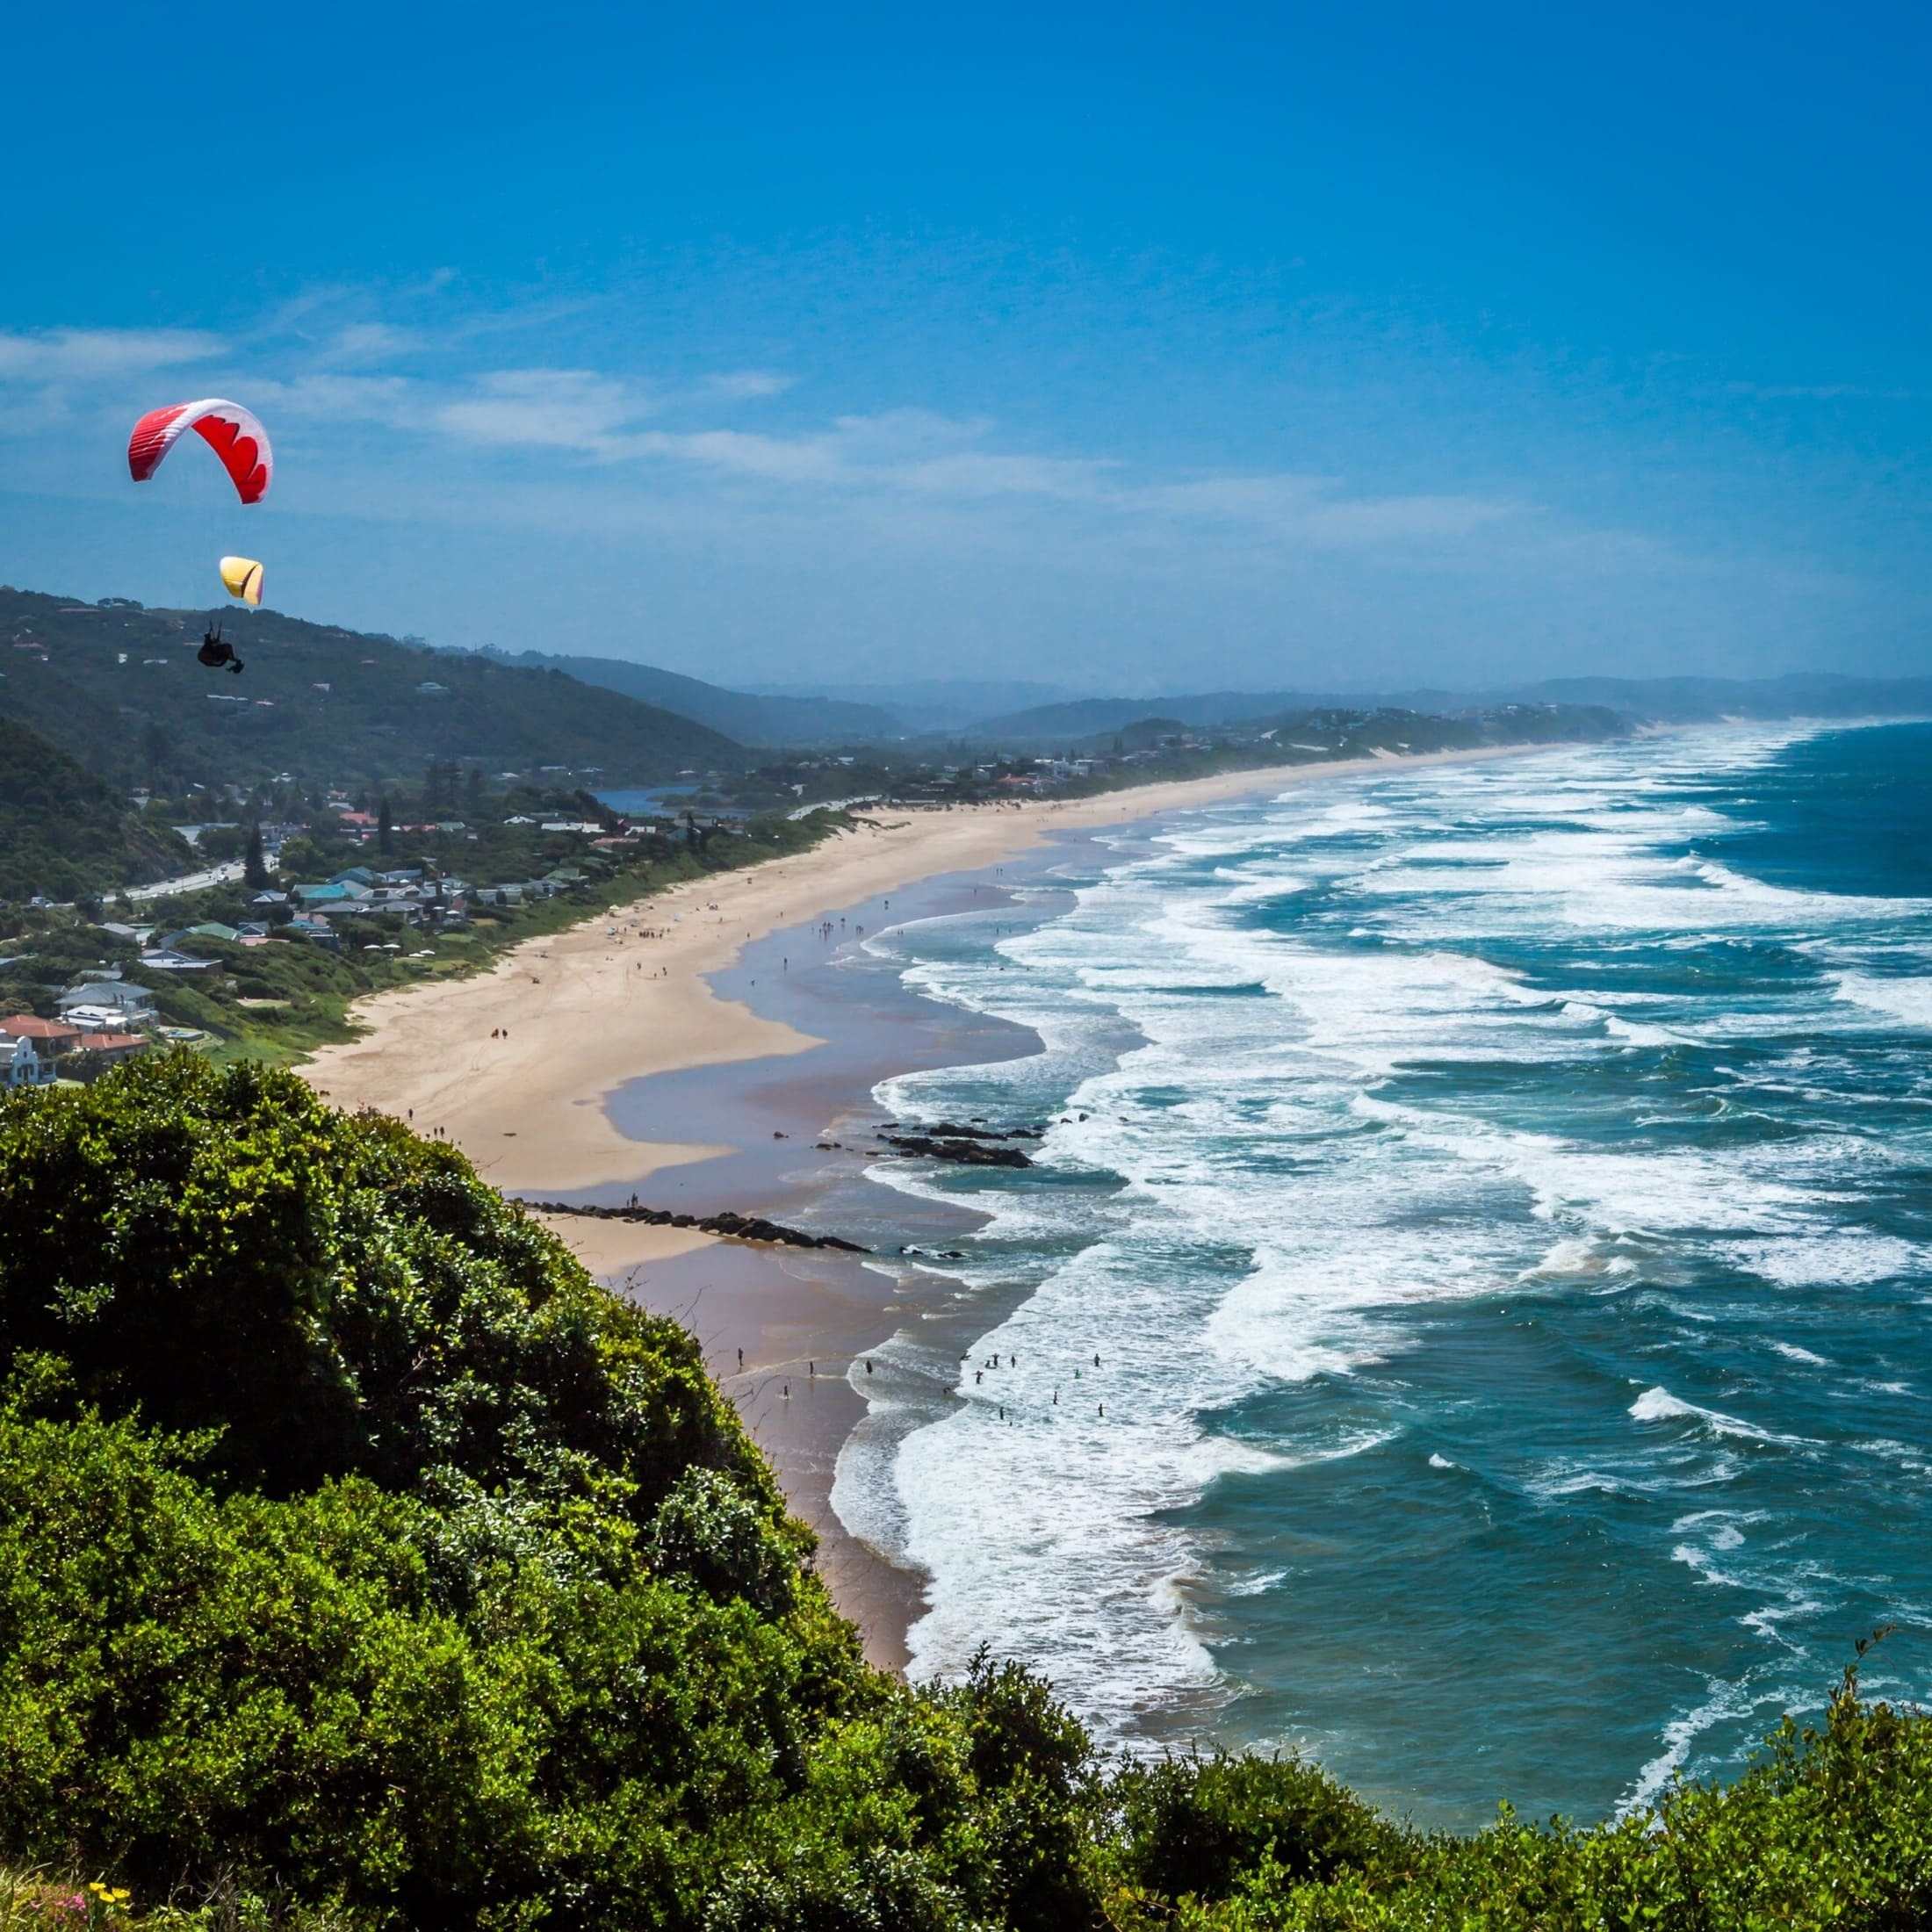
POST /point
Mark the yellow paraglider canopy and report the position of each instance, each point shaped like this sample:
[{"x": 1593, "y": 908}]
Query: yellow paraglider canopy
[{"x": 242, "y": 576}]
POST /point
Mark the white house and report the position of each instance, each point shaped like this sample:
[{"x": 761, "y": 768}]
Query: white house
[
  {"x": 119, "y": 1001},
  {"x": 21, "y": 1066}
]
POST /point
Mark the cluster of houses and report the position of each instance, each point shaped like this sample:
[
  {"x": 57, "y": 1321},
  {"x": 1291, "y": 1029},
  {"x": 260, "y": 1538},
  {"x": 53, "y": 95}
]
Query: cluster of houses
[
  {"x": 33, "y": 1051},
  {"x": 405, "y": 892},
  {"x": 408, "y": 893}
]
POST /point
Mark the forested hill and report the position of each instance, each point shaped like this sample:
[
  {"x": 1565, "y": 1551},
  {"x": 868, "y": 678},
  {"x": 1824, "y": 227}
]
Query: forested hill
[
  {"x": 64, "y": 833},
  {"x": 119, "y": 688}
]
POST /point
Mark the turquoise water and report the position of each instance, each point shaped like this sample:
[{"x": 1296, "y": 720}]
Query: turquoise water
[{"x": 1499, "y": 1196}]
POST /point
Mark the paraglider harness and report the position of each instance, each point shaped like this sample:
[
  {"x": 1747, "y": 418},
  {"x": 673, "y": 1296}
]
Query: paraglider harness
[{"x": 214, "y": 654}]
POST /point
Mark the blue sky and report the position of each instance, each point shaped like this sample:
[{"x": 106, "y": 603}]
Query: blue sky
[{"x": 1124, "y": 348}]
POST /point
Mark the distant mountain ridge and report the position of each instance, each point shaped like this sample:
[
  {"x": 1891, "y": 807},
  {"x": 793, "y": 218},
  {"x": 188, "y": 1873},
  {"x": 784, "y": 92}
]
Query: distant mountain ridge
[
  {"x": 930, "y": 705},
  {"x": 1678, "y": 700},
  {"x": 749, "y": 717}
]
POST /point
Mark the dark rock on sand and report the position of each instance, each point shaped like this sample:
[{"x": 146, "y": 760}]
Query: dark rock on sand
[{"x": 733, "y": 1227}]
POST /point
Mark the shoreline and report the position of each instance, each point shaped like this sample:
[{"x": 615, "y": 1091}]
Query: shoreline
[
  {"x": 617, "y": 1006},
  {"x": 529, "y": 1067}
]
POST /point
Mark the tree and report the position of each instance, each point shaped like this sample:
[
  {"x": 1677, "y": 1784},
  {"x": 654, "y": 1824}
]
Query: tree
[
  {"x": 157, "y": 753},
  {"x": 254, "y": 864},
  {"x": 385, "y": 828}
]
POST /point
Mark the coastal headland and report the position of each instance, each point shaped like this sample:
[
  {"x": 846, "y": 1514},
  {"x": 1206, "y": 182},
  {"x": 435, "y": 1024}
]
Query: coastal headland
[{"x": 517, "y": 1066}]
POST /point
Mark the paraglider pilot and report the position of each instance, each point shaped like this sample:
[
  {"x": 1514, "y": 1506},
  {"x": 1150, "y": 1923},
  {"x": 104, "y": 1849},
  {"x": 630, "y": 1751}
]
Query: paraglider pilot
[{"x": 214, "y": 654}]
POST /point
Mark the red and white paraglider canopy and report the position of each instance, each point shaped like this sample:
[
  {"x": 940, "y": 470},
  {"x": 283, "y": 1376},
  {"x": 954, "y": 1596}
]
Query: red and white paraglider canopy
[{"x": 231, "y": 431}]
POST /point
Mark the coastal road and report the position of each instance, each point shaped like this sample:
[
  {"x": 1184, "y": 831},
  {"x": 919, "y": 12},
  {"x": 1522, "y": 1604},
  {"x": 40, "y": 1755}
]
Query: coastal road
[{"x": 224, "y": 873}]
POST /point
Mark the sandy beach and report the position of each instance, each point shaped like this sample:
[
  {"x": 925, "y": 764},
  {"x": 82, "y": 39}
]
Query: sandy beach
[
  {"x": 517, "y": 1065},
  {"x": 514, "y": 1065}
]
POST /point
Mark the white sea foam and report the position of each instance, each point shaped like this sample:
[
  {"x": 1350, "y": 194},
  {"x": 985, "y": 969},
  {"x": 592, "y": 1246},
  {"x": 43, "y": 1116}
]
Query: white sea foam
[
  {"x": 1902, "y": 998},
  {"x": 1844, "y": 1258},
  {"x": 1725, "y": 1703},
  {"x": 1269, "y": 1204}
]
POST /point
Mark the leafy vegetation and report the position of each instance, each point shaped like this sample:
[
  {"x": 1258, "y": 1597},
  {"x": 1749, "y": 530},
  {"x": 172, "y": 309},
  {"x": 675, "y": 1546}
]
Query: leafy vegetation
[
  {"x": 63, "y": 832},
  {"x": 118, "y": 689},
  {"x": 363, "y": 1565}
]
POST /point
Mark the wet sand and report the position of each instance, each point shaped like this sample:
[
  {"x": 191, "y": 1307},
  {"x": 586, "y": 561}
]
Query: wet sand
[{"x": 807, "y": 1319}]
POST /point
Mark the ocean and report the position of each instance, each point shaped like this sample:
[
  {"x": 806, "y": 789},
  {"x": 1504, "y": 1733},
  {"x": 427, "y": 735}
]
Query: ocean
[{"x": 1468, "y": 1319}]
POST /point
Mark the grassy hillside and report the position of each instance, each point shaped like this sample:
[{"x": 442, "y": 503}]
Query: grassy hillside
[
  {"x": 363, "y": 1565},
  {"x": 748, "y": 717},
  {"x": 64, "y": 833},
  {"x": 121, "y": 690}
]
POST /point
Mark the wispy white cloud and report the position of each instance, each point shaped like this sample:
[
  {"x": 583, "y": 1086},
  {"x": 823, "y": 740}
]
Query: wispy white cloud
[
  {"x": 85, "y": 355},
  {"x": 360, "y": 343},
  {"x": 917, "y": 453},
  {"x": 778, "y": 459},
  {"x": 362, "y": 399},
  {"x": 746, "y": 384},
  {"x": 1320, "y": 509},
  {"x": 554, "y": 408},
  {"x": 332, "y": 354},
  {"x": 909, "y": 450}
]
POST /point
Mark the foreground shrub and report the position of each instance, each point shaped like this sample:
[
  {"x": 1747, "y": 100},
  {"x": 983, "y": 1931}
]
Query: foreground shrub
[
  {"x": 1195, "y": 1826},
  {"x": 364, "y": 1566},
  {"x": 1830, "y": 1828},
  {"x": 217, "y": 1246}
]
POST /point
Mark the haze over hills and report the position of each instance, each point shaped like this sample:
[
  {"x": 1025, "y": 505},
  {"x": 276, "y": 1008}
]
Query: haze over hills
[
  {"x": 749, "y": 717},
  {"x": 936, "y": 704},
  {"x": 119, "y": 688},
  {"x": 955, "y": 709},
  {"x": 1685, "y": 700}
]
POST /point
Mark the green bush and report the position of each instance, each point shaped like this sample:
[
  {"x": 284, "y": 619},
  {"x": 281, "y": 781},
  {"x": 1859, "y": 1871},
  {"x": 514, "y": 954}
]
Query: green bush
[
  {"x": 1195, "y": 1825},
  {"x": 218, "y": 1246},
  {"x": 363, "y": 1564}
]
